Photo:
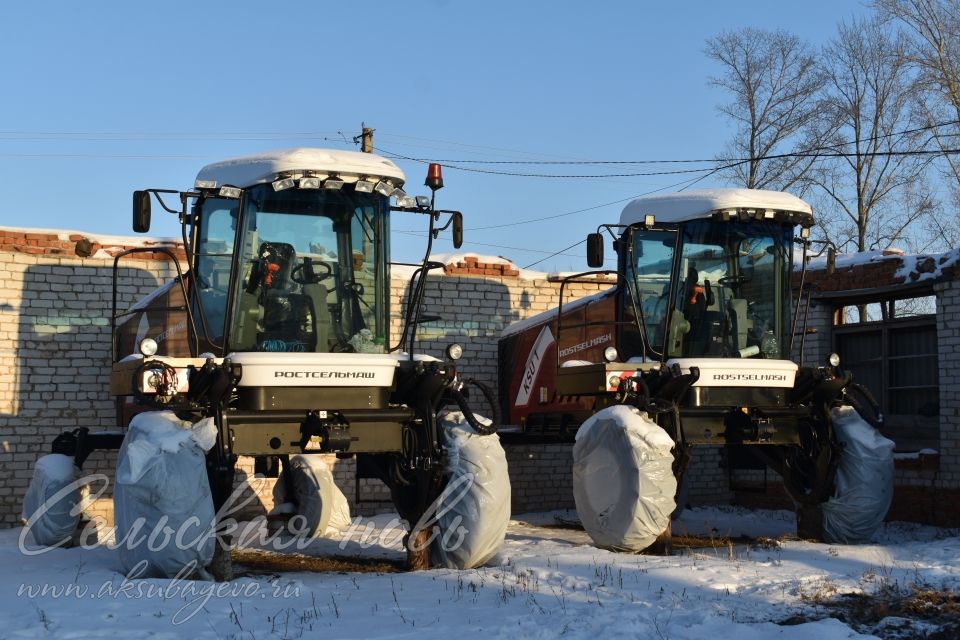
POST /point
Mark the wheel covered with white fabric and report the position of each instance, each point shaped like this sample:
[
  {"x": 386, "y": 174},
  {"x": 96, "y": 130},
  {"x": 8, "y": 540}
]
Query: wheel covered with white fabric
[
  {"x": 51, "y": 506},
  {"x": 162, "y": 488},
  {"x": 623, "y": 481},
  {"x": 472, "y": 512},
  {"x": 322, "y": 507},
  {"x": 863, "y": 485}
]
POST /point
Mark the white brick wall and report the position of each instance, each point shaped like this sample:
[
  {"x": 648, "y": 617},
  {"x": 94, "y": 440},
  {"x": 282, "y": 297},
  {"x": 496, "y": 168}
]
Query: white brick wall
[
  {"x": 55, "y": 355},
  {"x": 948, "y": 333}
]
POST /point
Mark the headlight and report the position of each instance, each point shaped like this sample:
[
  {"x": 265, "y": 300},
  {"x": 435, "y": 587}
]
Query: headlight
[
  {"x": 364, "y": 186},
  {"x": 610, "y": 354},
  {"x": 148, "y": 347},
  {"x": 283, "y": 184},
  {"x": 230, "y": 192},
  {"x": 454, "y": 351},
  {"x": 834, "y": 360}
]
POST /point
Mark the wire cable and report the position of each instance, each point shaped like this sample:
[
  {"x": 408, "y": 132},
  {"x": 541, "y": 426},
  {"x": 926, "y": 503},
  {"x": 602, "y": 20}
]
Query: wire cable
[
  {"x": 557, "y": 253},
  {"x": 494, "y": 246},
  {"x": 824, "y": 151},
  {"x": 687, "y": 183},
  {"x": 695, "y": 160}
]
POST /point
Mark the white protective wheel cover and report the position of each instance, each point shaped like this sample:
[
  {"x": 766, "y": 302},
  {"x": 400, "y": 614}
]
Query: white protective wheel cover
[
  {"x": 51, "y": 506},
  {"x": 473, "y": 511},
  {"x": 864, "y": 481},
  {"x": 162, "y": 485},
  {"x": 319, "y": 500},
  {"x": 623, "y": 482}
]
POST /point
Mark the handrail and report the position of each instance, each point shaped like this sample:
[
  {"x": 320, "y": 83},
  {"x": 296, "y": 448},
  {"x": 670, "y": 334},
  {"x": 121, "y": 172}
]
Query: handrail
[
  {"x": 183, "y": 288},
  {"x": 572, "y": 279}
]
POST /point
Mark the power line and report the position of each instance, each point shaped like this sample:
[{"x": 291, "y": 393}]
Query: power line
[
  {"x": 688, "y": 160},
  {"x": 570, "y": 162},
  {"x": 561, "y": 251},
  {"x": 733, "y": 163},
  {"x": 495, "y": 246},
  {"x": 643, "y": 194},
  {"x": 598, "y": 206},
  {"x": 340, "y": 139},
  {"x": 546, "y": 175},
  {"x": 178, "y": 135},
  {"x": 102, "y": 156},
  {"x": 463, "y": 144},
  {"x": 928, "y": 127},
  {"x": 551, "y": 217},
  {"x": 552, "y": 255},
  {"x": 813, "y": 152}
]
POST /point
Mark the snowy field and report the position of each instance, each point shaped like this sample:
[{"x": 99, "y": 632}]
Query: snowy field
[{"x": 547, "y": 582}]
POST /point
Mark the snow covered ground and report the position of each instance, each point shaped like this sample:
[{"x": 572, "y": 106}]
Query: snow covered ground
[{"x": 547, "y": 582}]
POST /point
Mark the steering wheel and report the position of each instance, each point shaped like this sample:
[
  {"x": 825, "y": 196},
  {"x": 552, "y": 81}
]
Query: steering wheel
[
  {"x": 303, "y": 273},
  {"x": 352, "y": 287},
  {"x": 728, "y": 280}
]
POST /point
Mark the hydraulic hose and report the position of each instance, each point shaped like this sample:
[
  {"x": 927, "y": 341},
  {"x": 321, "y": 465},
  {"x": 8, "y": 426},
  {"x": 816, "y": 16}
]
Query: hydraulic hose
[
  {"x": 461, "y": 400},
  {"x": 166, "y": 387},
  {"x": 862, "y": 400}
]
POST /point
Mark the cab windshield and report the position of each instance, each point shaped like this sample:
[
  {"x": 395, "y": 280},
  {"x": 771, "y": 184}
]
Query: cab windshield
[
  {"x": 312, "y": 270},
  {"x": 731, "y": 292}
]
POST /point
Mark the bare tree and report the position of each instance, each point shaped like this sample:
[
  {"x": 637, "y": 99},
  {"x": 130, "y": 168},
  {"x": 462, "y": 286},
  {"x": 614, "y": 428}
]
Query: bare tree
[
  {"x": 774, "y": 79},
  {"x": 933, "y": 50},
  {"x": 875, "y": 190},
  {"x": 935, "y": 47}
]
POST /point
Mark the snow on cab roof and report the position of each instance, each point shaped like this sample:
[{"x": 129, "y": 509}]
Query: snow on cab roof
[
  {"x": 690, "y": 205},
  {"x": 264, "y": 167}
]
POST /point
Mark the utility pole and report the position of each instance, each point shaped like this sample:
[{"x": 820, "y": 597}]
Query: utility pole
[{"x": 366, "y": 139}]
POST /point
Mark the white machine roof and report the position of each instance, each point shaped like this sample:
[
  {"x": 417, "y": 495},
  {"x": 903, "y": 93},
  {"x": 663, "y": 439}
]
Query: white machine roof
[
  {"x": 256, "y": 169},
  {"x": 690, "y": 205}
]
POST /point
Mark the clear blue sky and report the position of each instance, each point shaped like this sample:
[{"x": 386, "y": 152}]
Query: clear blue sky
[{"x": 101, "y": 98}]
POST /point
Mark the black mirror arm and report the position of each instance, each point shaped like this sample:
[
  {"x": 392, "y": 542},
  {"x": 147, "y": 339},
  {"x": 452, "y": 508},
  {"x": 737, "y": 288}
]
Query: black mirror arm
[{"x": 156, "y": 194}]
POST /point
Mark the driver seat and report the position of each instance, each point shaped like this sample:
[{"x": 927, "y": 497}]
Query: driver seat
[
  {"x": 317, "y": 293},
  {"x": 289, "y": 320}
]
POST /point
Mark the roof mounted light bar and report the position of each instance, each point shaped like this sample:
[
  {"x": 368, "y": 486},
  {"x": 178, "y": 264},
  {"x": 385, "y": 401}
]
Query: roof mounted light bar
[
  {"x": 792, "y": 217},
  {"x": 364, "y": 185}
]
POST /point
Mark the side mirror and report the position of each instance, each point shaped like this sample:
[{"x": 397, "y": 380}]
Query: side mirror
[
  {"x": 141, "y": 211},
  {"x": 595, "y": 250},
  {"x": 457, "y": 229}
]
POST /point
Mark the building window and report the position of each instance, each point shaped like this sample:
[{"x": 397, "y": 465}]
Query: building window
[{"x": 893, "y": 352}]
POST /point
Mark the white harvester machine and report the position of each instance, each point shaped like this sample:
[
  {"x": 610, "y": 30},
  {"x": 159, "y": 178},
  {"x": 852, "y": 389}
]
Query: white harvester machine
[
  {"x": 693, "y": 347},
  {"x": 277, "y": 342}
]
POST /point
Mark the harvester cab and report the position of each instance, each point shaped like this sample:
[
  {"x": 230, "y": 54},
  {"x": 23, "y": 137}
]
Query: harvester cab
[
  {"x": 706, "y": 284},
  {"x": 280, "y": 332},
  {"x": 697, "y": 337}
]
